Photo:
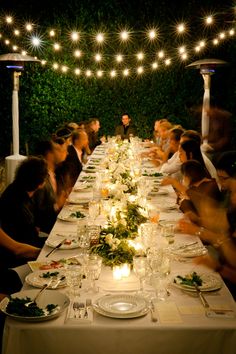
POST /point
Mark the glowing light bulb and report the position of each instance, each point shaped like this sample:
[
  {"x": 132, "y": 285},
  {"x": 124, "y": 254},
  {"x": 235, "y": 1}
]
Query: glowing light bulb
[
  {"x": 99, "y": 73},
  {"x": 124, "y": 35},
  {"x": 182, "y": 49},
  {"x": 140, "y": 56},
  {"x": 126, "y": 72},
  {"x": 98, "y": 57},
  {"x": 140, "y": 70},
  {"x": 29, "y": 27},
  {"x": 209, "y": 20},
  {"x": 52, "y": 33},
  {"x": 77, "y": 53},
  {"x": 77, "y": 71},
  {"x": 119, "y": 58},
  {"x": 35, "y": 41},
  {"x": 56, "y": 46},
  {"x": 43, "y": 62},
  {"x": 9, "y": 19},
  {"x": 113, "y": 73},
  {"x": 7, "y": 42},
  {"x": 202, "y": 44},
  {"x": 215, "y": 41},
  {"x": 181, "y": 28},
  {"x": 15, "y": 47},
  {"x": 161, "y": 54},
  {"x": 100, "y": 38},
  {"x": 88, "y": 73},
  {"x": 24, "y": 53},
  {"x": 184, "y": 56},
  {"x": 16, "y": 32},
  {"x": 231, "y": 32},
  {"x": 64, "y": 69},
  {"x": 55, "y": 66},
  {"x": 152, "y": 34},
  {"x": 197, "y": 48},
  {"x": 75, "y": 36},
  {"x": 167, "y": 62},
  {"x": 154, "y": 65},
  {"x": 222, "y": 35}
]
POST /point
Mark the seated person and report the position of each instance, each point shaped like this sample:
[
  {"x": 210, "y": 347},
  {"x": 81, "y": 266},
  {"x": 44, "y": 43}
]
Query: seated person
[
  {"x": 63, "y": 133},
  {"x": 16, "y": 206},
  {"x": 126, "y": 129},
  {"x": 92, "y": 129},
  {"x": 172, "y": 167},
  {"x": 48, "y": 201}
]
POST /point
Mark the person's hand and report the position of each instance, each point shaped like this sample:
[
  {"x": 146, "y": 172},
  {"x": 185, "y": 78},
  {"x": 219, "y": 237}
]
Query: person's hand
[
  {"x": 208, "y": 261},
  {"x": 187, "y": 227},
  {"x": 103, "y": 139}
]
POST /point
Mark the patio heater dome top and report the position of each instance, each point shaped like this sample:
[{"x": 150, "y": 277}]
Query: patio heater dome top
[
  {"x": 207, "y": 63},
  {"x": 17, "y": 57}
]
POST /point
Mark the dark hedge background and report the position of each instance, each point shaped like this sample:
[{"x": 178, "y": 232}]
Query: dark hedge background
[{"x": 48, "y": 99}]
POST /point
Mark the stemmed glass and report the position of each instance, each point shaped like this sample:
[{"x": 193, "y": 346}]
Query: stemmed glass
[
  {"x": 93, "y": 268},
  {"x": 94, "y": 209},
  {"x": 140, "y": 269}
]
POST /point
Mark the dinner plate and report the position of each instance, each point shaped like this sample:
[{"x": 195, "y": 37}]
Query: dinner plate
[
  {"x": 70, "y": 243},
  {"x": 122, "y": 304},
  {"x": 70, "y": 215},
  {"x": 210, "y": 282},
  {"x": 47, "y": 297},
  {"x": 190, "y": 252},
  {"x": 41, "y": 277},
  {"x": 78, "y": 200},
  {"x": 120, "y": 316}
]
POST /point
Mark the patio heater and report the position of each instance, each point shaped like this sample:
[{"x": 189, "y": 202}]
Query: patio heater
[
  {"x": 15, "y": 63},
  {"x": 207, "y": 69}
]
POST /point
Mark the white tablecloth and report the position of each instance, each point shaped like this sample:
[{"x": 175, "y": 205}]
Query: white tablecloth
[{"x": 194, "y": 334}]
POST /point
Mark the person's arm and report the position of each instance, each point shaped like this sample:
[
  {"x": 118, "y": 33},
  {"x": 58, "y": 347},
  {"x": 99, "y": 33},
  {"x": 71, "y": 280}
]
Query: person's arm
[
  {"x": 20, "y": 250},
  {"x": 223, "y": 242},
  {"x": 175, "y": 184}
]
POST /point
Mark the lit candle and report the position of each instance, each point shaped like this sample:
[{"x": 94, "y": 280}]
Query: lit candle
[
  {"x": 125, "y": 270},
  {"x": 117, "y": 273}
]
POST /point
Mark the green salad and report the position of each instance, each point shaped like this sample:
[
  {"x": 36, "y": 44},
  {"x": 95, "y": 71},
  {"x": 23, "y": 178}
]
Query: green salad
[
  {"x": 77, "y": 214},
  {"x": 189, "y": 280},
  {"x": 17, "y": 307},
  {"x": 48, "y": 275},
  {"x": 156, "y": 174}
]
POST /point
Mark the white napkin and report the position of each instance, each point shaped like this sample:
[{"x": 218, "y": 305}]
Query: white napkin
[{"x": 70, "y": 316}]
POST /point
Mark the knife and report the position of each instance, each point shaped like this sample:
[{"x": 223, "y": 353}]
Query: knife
[
  {"x": 201, "y": 296},
  {"x": 55, "y": 248},
  {"x": 153, "y": 312}
]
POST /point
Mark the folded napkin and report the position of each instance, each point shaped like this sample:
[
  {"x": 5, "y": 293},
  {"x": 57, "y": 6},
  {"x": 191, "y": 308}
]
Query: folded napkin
[
  {"x": 168, "y": 312},
  {"x": 70, "y": 316}
]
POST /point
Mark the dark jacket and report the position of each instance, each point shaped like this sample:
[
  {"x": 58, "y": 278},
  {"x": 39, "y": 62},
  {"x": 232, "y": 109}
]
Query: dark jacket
[
  {"x": 125, "y": 132},
  {"x": 73, "y": 164}
]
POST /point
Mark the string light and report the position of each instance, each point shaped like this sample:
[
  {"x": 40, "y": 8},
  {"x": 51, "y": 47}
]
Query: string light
[
  {"x": 64, "y": 69},
  {"x": 215, "y": 41},
  {"x": 126, "y": 72},
  {"x": 124, "y": 35},
  {"x": 140, "y": 70},
  {"x": 99, "y": 73},
  {"x": 231, "y": 32},
  {"x": 55, "y": 66},
  {"x": 182, "y": 49},
  {"x": 7, "y": 42},
  {"x": 24, "y": 53},
  {"x": 75, "y": 36},
  {"x": 168, "y": 62},
  {"x": 100, "y": 38},
  {"x": 154, "y": 65},
  {"x": 9, "y": 20},
  {"x": 184, "y": 56},
  {"x": 98, "y": 57},
  {"x": 140, "y": 56},
  {"x": 222, "y": 35},
  {"x": 77, "y": 53},
  {"x": 43, "y": 62},
  {"x": 16, "y": 32},
  {"x": 152, "y": 34},
  {"x": 36, "y": 41},
  {"x": 181, "y": 28},
  {"x": 202, "y": 44},
  {"x": 52, "y": 33},
  {"x": 209, "y": 20},
  {"x": 119, "y": 58},
  {"x": 113, "y": 73},
  {"x": 14, "y": 47},
  {"x": 88, "y": 73},
  {"x": 161, "y": 54},
  {"x": 56, "y": 46},
  {"x": 77, "y": 71},
  {"x": 29, "y": 27},
  {"x": 197, "y": 48}
]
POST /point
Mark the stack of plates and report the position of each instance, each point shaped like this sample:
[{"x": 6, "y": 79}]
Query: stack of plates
[{"x": 121, "y": 306}]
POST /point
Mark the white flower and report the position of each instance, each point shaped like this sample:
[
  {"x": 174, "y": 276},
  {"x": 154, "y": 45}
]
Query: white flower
[{"x": 108, "y": 239}]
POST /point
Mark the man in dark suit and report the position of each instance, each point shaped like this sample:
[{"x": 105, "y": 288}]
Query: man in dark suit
[
  {"x": 126, "y": 129},
  {"x": 75, "y": 153}
]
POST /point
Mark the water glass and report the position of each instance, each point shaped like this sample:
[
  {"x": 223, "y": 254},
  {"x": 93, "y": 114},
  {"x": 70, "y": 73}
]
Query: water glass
[
  {"x": 93, "y": 268},
  {"x": 73, "y": 279},
  {"x": 83, "y": 236},
  {"x": 94, "y": 209},
  {"x": 140, "y": 269},
  {"x": 168, "y": 231}
]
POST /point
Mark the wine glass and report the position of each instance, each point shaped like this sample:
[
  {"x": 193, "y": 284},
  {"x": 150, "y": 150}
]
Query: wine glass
[
  {"x": 140, "y": 270},
  {"x": 94, "y": 209},
  {"x": 93, "y": 268}
]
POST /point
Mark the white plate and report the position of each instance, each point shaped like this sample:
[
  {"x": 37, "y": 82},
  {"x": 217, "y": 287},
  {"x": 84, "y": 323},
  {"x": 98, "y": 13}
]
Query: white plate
[
  {"x": 36, "y": 278},
  {"x": 54, "y": 241},
  {"x": 190, "y": 252},
  {"x": 66, "y": 215},
  {"x": 122, "y": 304},
  {"x": 78, "y": 200},
  {"x": 211, "y": 282},
  {"x": 48, "y": 297}
]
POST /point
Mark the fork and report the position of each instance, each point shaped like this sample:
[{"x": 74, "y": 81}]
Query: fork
[
  {"x": 87, "y": 306},
  {"x": 78, "y": 307}
]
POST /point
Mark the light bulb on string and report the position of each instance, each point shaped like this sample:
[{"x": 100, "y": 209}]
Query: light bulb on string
[
  {"x": 231, "y": 32},
  {"x": 126, "y": 72},
  {"x": 181, "y": 28},
  {"x": 7, "y": 42},
  {"x": 55, "y": 66},
  {"x": 9, "y": 20},
  {"x": 98, "y": 57},
  {"x": 29, "y": 27},
  {"x": 99, "y": 73},
  {"x": 100, "y": 38},
  {"x": 209, "y": 20},
  {"x": 35, "y": 41},
  {"x": 167, "y": 61},
  {"x": 184, "y": 56},
  {"x": 52, "y": 33},
  {"x": 56, "y": 46},
  {"x": 77, "y": 71},
  {"x": 16, "y": 32},
  {"x": 124, "y": 35},
  {"x": 119, "y": 58},
  {"x": 24, "y": 53},
  {"x": 182, "y": 49},
  {"x": 202, "y": 44},
  {"x": 222, "y": 35},
  {"x": 140, "y": 70},
  {"x": 75, "y": 36},
  {"x": 77, "y": 53},
  {"x": 64, "y": 69},
  {"x": 43, "y": 62},
  {"x": 140, "y": 56},
  {"x": 215, "y": 41},
  {"x": 88, "y": 73},
  {"x": 113, "y": 73},
  {"x": 154, "y": 65},
  {"x": 14, "y": 47},
  {"x": 161, "y": 54},
  {"x": 152, "y": 34},
  {"x": 197, "y": 48}
]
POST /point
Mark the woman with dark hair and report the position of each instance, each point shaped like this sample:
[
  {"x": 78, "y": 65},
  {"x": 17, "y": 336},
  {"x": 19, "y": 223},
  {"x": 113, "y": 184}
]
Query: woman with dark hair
[{"x": 16, "y": 206}]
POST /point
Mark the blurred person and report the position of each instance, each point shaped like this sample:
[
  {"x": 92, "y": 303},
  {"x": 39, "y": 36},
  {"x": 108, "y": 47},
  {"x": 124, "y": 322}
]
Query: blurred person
[
  {"x": 64, "y": 133},
  {"x": 92, "y": 129},
  {"x": 156, "y": 133},
  {"x": 16, "y": 205},
  {"x": 48, "y": 200},
  {"x": 126, "y": 129}
]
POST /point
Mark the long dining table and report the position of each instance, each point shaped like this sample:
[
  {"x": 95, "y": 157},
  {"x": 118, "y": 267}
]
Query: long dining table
[{"x": 182, "y": 326}]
